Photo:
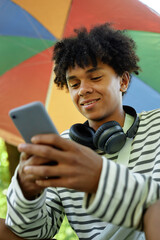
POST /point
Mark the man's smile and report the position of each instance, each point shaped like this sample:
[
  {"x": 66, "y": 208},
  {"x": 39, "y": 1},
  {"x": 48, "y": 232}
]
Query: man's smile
[{"x": 89, "y": 102}]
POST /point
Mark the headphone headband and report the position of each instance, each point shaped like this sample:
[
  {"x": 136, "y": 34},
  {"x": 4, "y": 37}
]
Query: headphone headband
[{"x": 133, "y": 129}]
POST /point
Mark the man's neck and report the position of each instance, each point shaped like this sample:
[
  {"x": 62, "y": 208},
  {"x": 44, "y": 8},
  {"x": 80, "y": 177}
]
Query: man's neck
[{"x": 120, "y": 118}]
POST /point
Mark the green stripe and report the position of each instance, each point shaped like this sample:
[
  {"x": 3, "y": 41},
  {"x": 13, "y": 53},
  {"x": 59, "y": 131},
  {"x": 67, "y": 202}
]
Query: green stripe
[
  {"x": 148, "y": 50},
  {"x": 14, "y": 50}
]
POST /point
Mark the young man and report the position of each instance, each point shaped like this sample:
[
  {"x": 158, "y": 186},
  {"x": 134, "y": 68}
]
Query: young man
[{"x": 104, "y": 184}]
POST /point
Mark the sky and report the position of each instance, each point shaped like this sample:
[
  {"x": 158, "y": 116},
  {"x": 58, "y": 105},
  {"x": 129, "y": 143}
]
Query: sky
[{"x": 155, "y": 4}]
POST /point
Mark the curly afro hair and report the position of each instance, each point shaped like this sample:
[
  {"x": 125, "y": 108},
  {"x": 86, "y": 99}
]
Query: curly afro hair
[{"x": 102, "y": 42}]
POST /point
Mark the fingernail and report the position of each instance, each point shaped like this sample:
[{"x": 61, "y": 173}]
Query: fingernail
[
  {"x": 39, "y": 182},
  {"x": 26, "y": 169},
  {"x": 21, "y": 146},
  {"x": 33, "y": 139}
]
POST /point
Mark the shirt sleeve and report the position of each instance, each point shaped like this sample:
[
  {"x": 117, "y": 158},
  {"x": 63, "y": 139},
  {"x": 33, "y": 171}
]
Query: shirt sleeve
[
  {"x": 122, "y": 196},
  {"x": 33, "y": 219}
]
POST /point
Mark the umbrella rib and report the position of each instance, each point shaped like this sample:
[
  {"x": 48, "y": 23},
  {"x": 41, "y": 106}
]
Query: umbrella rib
[
  {"x": 36, "y": 30},
  {"x": 67, "y": 17},
  {"x": 32, "y": 49}
]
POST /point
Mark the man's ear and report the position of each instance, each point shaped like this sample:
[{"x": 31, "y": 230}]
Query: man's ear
[{"x": 125, "y": 79}]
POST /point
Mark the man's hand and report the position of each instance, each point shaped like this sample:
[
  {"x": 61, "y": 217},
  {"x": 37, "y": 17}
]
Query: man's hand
[
  {"x": 152, "y": 222},
  {"x": 78, "y": 167},
  {"x": 27, "y": 181}
]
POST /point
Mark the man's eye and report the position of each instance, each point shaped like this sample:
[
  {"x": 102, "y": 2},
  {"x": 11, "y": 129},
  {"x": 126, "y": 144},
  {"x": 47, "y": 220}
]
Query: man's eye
[
  {"x": 74, "y": 85},
  {"x": 96, "y": 78}
]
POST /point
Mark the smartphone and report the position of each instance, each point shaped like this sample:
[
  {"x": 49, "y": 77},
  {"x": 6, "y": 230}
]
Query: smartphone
[{"x": 32, "y": 119}]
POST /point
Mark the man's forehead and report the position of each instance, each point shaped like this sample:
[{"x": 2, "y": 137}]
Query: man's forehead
[{"x": 88, "y": 69}]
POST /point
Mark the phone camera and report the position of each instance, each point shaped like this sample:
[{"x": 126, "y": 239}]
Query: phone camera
[{"x": 14, "y": 116}]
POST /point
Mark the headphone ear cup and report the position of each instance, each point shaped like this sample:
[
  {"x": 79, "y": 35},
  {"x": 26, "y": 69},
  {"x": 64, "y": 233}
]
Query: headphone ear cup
[
  {"x": 82, "y": 134},
  {"x": 110, "y": 137},
  {"x": 115, "y": 143}
]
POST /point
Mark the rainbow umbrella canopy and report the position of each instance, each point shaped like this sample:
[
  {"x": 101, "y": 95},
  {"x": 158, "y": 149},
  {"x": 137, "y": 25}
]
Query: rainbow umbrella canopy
[{"x": 28, "y": 32}]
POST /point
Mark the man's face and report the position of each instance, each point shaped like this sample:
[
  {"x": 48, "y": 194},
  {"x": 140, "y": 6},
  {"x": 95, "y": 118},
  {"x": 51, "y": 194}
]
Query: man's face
[{"x": 96, "y": 93}]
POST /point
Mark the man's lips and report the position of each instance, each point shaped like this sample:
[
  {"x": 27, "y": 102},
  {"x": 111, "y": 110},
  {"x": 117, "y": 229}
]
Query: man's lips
[{"x": 89, "y": 102}]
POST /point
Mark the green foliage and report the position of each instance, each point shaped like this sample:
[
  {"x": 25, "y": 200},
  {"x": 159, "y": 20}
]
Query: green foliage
[
  {"x": 3, "y": 154},
  {"x": 65, "y": 232},
  {"x": 4, "y": 178}
]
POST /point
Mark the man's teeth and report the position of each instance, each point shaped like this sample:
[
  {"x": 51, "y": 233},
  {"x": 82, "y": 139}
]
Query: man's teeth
[{"x": 88, "y": 103}]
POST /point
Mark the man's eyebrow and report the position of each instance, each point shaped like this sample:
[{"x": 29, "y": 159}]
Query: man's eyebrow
[
  {"x": 70, "y": 77},
  {"x": 88, "y": 71},
  {"x": 93, "y": 69}
]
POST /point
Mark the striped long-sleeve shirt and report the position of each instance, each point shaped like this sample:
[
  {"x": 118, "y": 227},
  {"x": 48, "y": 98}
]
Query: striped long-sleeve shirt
[{"x": 124, "y": 192}]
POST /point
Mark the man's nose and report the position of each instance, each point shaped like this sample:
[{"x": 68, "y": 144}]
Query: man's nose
[{"x": 85, "y": 88}]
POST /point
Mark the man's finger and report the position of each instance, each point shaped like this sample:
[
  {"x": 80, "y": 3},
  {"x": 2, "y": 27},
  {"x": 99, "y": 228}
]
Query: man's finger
[
  {"x": 50, "y": 171},
  {"x": 44, "y": 151},
  {"x": 52, "y": 139}
]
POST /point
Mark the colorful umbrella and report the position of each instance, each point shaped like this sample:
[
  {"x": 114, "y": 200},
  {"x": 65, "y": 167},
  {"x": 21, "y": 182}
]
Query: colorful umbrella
[{"x": 28, "y": 31}]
